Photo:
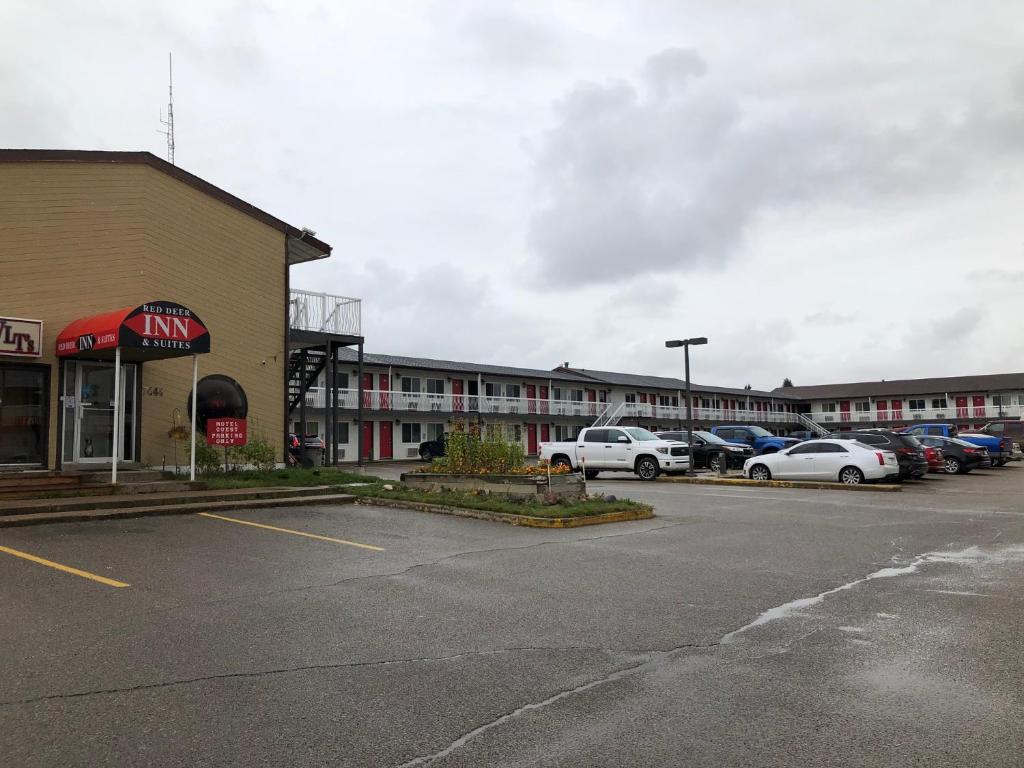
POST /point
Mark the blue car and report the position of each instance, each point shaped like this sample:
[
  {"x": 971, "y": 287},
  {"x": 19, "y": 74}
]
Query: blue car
[{"x": 758, "y": 438}]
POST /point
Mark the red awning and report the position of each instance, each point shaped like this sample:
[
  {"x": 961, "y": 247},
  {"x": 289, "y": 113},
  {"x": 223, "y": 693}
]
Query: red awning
[{"x": 151, "y": 331}]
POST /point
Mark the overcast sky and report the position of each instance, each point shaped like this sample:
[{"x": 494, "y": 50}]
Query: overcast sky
[{"x": 828, "y": 190}]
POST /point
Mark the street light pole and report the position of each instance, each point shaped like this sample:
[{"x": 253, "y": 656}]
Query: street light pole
[
  {"x": 689, "y": 414},
  {"x": 685, "y": 344}
]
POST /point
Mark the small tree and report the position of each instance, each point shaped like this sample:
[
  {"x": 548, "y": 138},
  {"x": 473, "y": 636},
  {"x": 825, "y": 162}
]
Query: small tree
[{"x": 787, "y": 382}]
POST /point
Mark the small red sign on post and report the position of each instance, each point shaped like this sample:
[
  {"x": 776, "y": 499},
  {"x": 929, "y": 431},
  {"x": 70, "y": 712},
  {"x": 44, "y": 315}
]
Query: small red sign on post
[{"x": 226, "y": 432}]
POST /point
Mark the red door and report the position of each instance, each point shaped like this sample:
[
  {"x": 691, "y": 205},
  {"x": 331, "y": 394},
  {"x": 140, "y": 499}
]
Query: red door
[
  {"x": 961, "y": 407},
  {"x": 386, "y": 451},
  {"x": 979, "y": 406},
  {"x": 531, "y": 400},
  {"x": 844, "y": 410},
  {"x": 545, "y": 433},
  {"x": 544, "y": 400},
  {"x": 458, "y": 404},
  {"x": 897, "y": 410},
  {"x": 531, "y": 439},
  {"x": 367, "y": 388},
  {"x": 592, "y": 399},
  {"x": 367, "y": 439},
  {"x": 385, "y": 398},
  {"x": 880, "y": 406}
]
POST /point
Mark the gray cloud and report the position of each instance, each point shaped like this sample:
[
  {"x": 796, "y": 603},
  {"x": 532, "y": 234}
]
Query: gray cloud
[
  {"x": 669, "y": 177},
  {"x": 828, "y": 317},
  {"x": 503, "y": 38}
]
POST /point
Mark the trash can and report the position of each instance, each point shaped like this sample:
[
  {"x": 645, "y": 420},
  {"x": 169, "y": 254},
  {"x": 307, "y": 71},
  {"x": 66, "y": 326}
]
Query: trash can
[{"x": 312, "y": 457}]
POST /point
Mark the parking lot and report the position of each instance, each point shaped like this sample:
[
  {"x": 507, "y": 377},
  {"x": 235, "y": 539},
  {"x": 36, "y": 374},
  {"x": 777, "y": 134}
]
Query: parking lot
[{"x": 741, "y": 626}]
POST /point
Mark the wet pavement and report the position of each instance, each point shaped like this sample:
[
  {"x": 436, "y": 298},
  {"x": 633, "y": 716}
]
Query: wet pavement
[{"x": 741, "y": 627}]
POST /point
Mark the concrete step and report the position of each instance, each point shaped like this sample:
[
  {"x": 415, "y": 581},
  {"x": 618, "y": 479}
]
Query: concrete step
[
  {"x": 125, "y": 476},
  {"x": 12, "y": 507},
  {"x": 32, "y": 483},
  {"x": 189, "y": 508},
  {"x": 161, "y": 486}
]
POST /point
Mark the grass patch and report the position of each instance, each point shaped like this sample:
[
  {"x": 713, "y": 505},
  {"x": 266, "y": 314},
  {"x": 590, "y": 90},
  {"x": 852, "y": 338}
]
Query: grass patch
[
  {"x": 495, "y": 503},
  {"x": 283, "y": 477}
]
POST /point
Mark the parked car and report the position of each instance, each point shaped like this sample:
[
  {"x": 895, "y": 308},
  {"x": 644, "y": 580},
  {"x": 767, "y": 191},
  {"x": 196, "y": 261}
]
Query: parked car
[
  {"x": 758, "y": 438},
  {"x": 831, "y": 459},
  {"x": 708, "y": 450},
  {"x": 934, "y": 458},
  {"x": 617, "y": 449},
  {"x": 909, "y": 452},
  {"x": 1012, "y": 429},
  {"x": 802, "y": 434},
  {"x": 1000, "y": 449},
  {"x": 434, "y": 449},
  {"x": 958, "y": 456}
]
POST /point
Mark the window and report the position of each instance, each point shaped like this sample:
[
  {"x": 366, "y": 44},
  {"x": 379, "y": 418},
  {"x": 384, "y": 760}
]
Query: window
[
  {"x": 410, "y": 384},
  {"x": 915, "y": 405},
  {"x": 863, "y": 406},
  {"x": 631, "y": 398},
  {"x": 705, "y": 403},
  {"x": 493, "y": 390},
  {"x": 435, "y": 431},
  {"x": 665, "y": 400},
  {"x": 576, "y": 394},
  {"x": 675, "y": 401},
  {"x": 873, "y": 439},
  {"x": 999, "y": 400},
  {"x": 828, "y": 407},
  {"x": 341, "y": 433},
  {"x": 341, "y": 380},
  {"x": 614, "y": 435},
  {"x": 596, "y": 436},
  {"x": 435, "y": 386},
  {"x": 411, "y": 432},
  {"x": 512, "y": 390},
  {"x": 808, "y": 448},
  {"x": 312, "y": 428},
  {"x": 938, "y": 403}
]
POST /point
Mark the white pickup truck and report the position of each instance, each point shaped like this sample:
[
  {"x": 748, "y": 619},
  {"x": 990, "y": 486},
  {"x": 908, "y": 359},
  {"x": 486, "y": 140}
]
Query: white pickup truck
[{"x": 618, "y": 449}]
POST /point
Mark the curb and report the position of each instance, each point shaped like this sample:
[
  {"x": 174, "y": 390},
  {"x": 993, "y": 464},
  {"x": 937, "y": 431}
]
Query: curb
[
  {"x": 527, "y": 521},
  {"x": 87, "y": 515},
  {"x": 806, "y": 484}
]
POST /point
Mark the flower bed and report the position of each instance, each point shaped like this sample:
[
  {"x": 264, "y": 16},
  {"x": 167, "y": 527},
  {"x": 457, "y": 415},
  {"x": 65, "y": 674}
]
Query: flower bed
[{"x": 515, "y": 486}]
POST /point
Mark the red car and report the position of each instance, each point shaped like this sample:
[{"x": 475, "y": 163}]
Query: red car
[{"x": 936, "y": 461}]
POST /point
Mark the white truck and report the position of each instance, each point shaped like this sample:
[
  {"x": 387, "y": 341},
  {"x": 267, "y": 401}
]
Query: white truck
[{"x": 618, "y": 449}]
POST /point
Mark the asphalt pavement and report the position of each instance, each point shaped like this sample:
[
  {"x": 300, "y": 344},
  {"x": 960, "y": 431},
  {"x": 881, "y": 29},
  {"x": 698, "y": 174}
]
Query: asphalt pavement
[{"x": 740, "y": 627}]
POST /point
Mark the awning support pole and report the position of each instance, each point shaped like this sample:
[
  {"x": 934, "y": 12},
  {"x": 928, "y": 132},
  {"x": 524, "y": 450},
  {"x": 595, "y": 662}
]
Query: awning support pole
[
  {"x": 117, "y": 415},
  {"x": 195, "y": 408}
]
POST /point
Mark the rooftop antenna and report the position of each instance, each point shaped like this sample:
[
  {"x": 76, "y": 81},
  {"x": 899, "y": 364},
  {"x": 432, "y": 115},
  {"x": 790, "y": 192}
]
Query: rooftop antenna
[{"x": 168, "y": 122}]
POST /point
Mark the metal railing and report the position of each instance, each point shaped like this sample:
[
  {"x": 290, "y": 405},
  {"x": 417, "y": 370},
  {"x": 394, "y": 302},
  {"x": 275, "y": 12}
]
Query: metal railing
[
  {"x": 907, "y": 415},
  {"x": 425, "y": 402},
  {"x": 325, "y": 313}
]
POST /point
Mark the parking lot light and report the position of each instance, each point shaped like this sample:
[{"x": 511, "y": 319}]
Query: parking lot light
[{"x": 686, "y": 344}]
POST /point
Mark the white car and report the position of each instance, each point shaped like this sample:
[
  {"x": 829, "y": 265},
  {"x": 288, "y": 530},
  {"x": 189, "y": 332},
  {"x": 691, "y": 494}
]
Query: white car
[
  {"x": 846, "y": 461},
  {"x": 617, "y": 449}
]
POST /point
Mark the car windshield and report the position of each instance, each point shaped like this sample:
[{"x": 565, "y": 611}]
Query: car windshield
[
  {"x": 760, "y": 432},
  {"x": 638, "y": 433},
  {"x": 709, "y": 438},
  {"x": 864, "y": 445},
  {"x": 910, "y": 440}
]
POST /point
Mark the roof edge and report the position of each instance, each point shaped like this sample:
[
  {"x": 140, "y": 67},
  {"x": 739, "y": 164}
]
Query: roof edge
[{"x": 148, "y": 158}]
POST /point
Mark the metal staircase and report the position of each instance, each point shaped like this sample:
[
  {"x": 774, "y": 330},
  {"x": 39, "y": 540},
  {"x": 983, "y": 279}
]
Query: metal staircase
[
  {"x": 304, "y": 366},
  {"x": 609, "y": 417},
  {"x": 814, "y": 426}
]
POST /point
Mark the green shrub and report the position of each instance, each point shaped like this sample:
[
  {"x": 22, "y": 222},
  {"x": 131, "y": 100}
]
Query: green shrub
[
  {"x": 257, "y": 453},
  {"x": 208, "y": 458},
  {"x": 469, "y": 453}
]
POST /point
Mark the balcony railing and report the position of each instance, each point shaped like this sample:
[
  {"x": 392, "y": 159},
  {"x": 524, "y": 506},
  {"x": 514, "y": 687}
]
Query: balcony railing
[
  {"x": 907, "y": 416},
  {"x": 425, "y": 402},
  {"x": 324, "y": 313}
]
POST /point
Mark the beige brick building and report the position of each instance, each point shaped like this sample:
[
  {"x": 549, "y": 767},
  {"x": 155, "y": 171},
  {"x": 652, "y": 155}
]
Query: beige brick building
[{"x": 84, "y": 233}]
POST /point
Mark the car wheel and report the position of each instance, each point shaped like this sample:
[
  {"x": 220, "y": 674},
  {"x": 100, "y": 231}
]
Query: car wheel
[
  {"x": 953, "y": 466},
  {"x": 760, "y": 472},
  {"x": 591, "y": 474},
  {"x": 768, "y": 451},
  {"x": 1001, "y": 463},
  {"x": 426, "y": 455},
  {"x": 561, "y": 461},
  {"x": 647, "y": 468},
  {"x": 715, "y": 462},
  {"x": 851, "y": 476}
]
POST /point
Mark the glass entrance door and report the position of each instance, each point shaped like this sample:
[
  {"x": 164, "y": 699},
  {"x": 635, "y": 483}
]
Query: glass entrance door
[{"x": 89, "y": 412}]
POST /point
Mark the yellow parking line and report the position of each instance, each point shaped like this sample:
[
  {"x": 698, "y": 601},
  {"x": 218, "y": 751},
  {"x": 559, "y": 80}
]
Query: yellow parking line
[
  {"x": 65, "y": 568},
  {"x": 289, "y": 530}
]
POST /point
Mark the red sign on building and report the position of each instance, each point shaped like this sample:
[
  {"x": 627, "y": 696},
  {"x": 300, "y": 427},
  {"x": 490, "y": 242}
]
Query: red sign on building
[{"x": 226, "y": 432}]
